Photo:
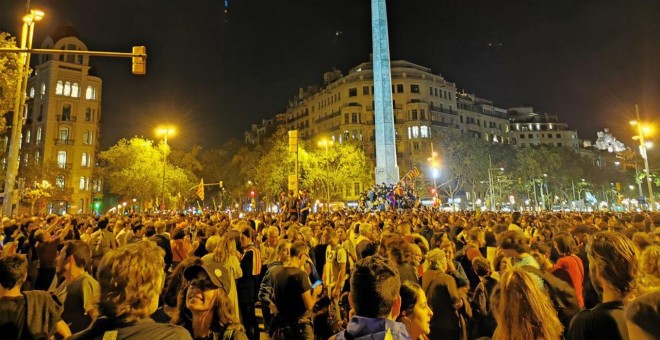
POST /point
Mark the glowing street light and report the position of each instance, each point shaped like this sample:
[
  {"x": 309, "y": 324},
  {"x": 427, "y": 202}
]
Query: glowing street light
[
  {"x": 164, "y": 131},
  {"x": 642, "y": 130}
]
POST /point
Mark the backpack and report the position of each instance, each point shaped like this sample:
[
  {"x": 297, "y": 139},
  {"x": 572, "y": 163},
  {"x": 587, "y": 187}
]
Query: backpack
[{"x": 561, "y": 293}]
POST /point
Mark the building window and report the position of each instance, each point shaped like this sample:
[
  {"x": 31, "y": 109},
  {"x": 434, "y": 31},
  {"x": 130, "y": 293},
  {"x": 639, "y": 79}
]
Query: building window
[
  {"x": 37, "y": 156},
  {"x": 422, "y": 114},
  {"x": 559, "y": 135},
  {"x": 88, "y": 115},
  {"x": 32, "y": 92},
  {"x": 414, "y": 88},
  {"x": 522, "y": 136},
  {"x": 399, "y": 88},
  {"x": 66, "y": 112},
  {"x": 90, "y": 93},
  {"x": 365, "y": 90},
  {"x": 59, "y": 181},
  {"x": 88, "y": 137},
  {"x": 415, "y": 132},
  {"x": 38, "y": 135},
  {"x": 75, "y": 90},
  {"x": 354, "y": 119},
  {"x": 59, "y": 89},
  {"x": 43, "y": 90},
  {"x": 413, "y": 115},
  {"x": 352, "y": 92},
  {"x": 83, "y": 183},
  {"x": 346, "y": 119},
  {"x": 64, "y": 134},
  {"x": 28, "y": 135},
  {"x": 416, "y": 146},
  {"x": 424, "y": 131},
  {"x": 85, "y": 160},
  {"x": 61, "y": 159},
  {"x": 67, "y": 89},
  {"x": 530, "y": 136}
]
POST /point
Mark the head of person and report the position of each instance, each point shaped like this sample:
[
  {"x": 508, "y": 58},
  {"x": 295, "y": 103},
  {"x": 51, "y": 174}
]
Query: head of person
[
  {"x": 449, "y": 248},
  {"x": 175, "y": 281},
  {"x": 642, "y": 240},
  {"x": 178, "y": 234},
  {"x": 415, "y": 312},
  {"x": 437, "y": 260},
  {"x": 226, "y": 247},
  {"x": 13, "y": 271},
  {"x": 75, "y": 254},
  {"x": 650, "y": 264},
  {"x": 272, "y": 233},
  {"x": 299, "y": 251},
  {"x": 642, "y": 315},
  {"x": 501, "y": 263},
  {"x": 513, "y": 243},
  {"x": 416, "y": 256},
  {"x": 612, "y": 262},
  {"x": 522, "y": 309},
  {"x": 378, "y": 284},
  {"x": 206, "y": 294},
  {"x": 481, "y": 266},
  {"x": 332, "y": 237},
  {"x": 477, "y": 236},
  {"x": 564, "y": 243},
  {"x": 283, "y": 250},
  {"x": 246, "y": 236},
  {"x": 397, "y": 250},
  {"x": 131, "y": 279}
]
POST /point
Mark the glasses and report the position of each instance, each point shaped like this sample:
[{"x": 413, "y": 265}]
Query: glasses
[{"x": 202, "y": 284}]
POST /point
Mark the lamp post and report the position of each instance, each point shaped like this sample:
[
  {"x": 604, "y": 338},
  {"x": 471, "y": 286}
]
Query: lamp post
[
  {"x": 434, "y": 167},
  {"x": 491, "y": 186},
  {"x": 641, "y": 130},
  {"x": 165, "y": 131},
  {"x": 27, "y": 35},
  {"x": 327, "y": 143}
]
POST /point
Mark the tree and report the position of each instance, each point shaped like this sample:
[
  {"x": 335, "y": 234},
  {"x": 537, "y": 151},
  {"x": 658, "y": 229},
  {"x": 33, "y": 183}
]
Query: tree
[
  {"x": 134, "y": 169},
  {"x": 36, "y": 193},
  {"x": 9, "y": 66}
]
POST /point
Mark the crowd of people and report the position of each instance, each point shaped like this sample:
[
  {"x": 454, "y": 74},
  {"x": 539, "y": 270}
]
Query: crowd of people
[
  {"x": 391, "y": 274},
  {"x": 383, "y": 196}
]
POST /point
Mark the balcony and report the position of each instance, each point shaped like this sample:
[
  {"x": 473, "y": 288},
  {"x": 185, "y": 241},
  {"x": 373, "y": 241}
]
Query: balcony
[
  {"x": 66, "y": 166},
  {"x": 66, "y": 118},
  {"x": 330, "y": 116},
  {"x": 59, "y": 141}
]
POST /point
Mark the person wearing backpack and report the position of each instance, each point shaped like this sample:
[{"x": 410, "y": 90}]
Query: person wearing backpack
[{"x": 101, "y": 242}]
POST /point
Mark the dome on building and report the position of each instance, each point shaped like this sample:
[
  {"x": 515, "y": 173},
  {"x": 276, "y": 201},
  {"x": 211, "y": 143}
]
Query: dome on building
[{"x": 64, "y": 31}]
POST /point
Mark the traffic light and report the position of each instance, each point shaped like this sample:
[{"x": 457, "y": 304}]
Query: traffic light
[
  {"x": 221, "y": 186},
  {"x": 252, "y": 194},
  {"x": 139, "y": 60},
  {"x": 433, "y": 191}
]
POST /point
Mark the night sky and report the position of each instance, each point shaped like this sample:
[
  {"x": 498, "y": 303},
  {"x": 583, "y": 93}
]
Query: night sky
[{"x": 213, "y": 74}]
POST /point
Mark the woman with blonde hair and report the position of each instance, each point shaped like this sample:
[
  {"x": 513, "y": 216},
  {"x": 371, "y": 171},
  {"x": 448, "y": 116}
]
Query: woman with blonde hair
[
  {"x": 523, "y": 310},
  {"x": 443, "y": 297},
  {"x": 222, "y": 250},
  {"x": 650, "y": 268}
]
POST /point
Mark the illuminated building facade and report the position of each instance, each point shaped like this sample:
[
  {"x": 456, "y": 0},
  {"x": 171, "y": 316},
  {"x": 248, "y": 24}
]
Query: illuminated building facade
[{"x": 60, "y": 137}]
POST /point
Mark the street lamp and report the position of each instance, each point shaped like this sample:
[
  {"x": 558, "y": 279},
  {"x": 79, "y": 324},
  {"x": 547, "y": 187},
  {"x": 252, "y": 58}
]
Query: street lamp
[
  {"x": 327, "y": 143},
  {"x": 164, "y": 131},
  {"x": 27, "y": 34},
  {"x": 491, "y": 187},
  {"x": 641, "y": 131}
]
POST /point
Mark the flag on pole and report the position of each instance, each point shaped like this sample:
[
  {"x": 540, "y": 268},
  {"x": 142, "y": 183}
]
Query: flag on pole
[{"x": 200, "y": 190}]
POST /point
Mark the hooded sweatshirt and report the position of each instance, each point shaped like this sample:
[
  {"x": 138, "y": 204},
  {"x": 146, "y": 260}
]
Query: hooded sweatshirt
[{"x": 361, "y": 328}]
